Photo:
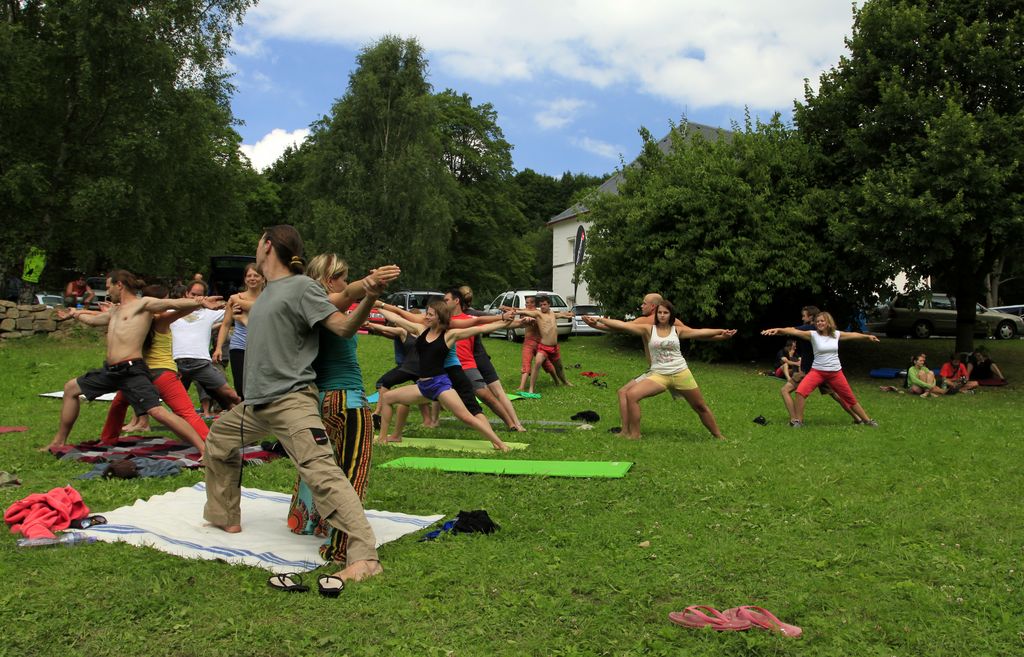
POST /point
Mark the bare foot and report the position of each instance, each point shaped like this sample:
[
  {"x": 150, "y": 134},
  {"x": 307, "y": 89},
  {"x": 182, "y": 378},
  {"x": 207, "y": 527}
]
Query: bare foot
[
  {"x": 519, "y": 428},
  {"x": 230, "y": 529},
  {"x": 49, "y": 448},
  {"x": 360, "y": 571},
  {"x": 569, "y": 384}
]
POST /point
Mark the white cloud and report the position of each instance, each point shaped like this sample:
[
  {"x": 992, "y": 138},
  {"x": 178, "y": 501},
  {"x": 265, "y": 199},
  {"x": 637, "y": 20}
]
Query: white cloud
[
  {"x": 268, "y": 149},
  {"x": 598, "y": 147},
  {"x": 698, "y": 53},
  {"x": 559, "y": 113}
]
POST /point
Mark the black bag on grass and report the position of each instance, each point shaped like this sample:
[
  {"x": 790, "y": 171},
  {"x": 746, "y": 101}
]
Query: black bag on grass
[{"x": 474, "y": 521}]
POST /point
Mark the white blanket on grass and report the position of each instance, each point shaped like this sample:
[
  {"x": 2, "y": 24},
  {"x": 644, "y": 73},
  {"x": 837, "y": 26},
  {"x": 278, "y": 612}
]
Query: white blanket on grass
[{"x": 173, "y": 523}]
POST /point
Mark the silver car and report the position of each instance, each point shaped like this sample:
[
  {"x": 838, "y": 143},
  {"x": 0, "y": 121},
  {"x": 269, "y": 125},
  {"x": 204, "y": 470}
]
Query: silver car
[
  {"x": 579, "y": 327},
  {"x": 936, "y": 315}
]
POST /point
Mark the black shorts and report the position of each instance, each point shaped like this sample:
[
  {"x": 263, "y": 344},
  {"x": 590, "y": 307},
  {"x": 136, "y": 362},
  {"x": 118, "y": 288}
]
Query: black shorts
[
  {"x": 463, "y": 386},
  {"x": 132, "y": 378},
  {"x": 395, "y": 377}
]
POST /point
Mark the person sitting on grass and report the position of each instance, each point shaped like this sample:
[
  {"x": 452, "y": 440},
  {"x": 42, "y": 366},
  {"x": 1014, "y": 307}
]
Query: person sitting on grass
[
  {"x": 435, "y": 340},
  {"x": 669, "y": 370},
  {"x": 921, "y": 380},
  {"x": 983, "y": 370},
  {"x": 787, "y": 363},
  {"x": 954, "y": 374},
  {"x": 826, "y": 367}
]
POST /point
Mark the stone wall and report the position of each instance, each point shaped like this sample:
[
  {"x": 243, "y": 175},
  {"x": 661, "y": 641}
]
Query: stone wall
[{"x": 18, "y": 321}]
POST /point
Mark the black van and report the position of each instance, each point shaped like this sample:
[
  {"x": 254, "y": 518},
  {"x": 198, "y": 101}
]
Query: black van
[{"x": 227, "y": 274}]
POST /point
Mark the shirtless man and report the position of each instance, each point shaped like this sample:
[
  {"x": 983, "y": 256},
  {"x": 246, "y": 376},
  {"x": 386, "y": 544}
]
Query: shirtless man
[
  {"x": 548, "y": 347},
  {"x": 281, "y": 399},
  {"x": 124, "y": 369},
  {"x": 531, "y": 338}
]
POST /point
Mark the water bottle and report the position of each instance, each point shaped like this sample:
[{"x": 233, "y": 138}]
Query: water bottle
[
  {"x": 67, "y": 539},
  {"x": 79, "y": 306}
]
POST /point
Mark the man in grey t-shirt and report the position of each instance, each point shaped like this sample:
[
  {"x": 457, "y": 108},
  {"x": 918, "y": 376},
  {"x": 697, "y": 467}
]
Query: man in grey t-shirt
[{"x": 281, "y": 400}]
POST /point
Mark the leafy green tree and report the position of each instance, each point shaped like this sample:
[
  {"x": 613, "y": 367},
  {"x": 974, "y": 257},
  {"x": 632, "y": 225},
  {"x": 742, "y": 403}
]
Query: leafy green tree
[
  {"x": 487, "y": 245},
  {"x": 920, "y": 132},
  {"x": 117, "y": 142},
  {"x": 373, "y": 174},
  {"x": 729, "y": 230}
]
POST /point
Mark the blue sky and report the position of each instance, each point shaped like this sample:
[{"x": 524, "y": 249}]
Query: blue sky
[{"x": 572, "y": 82}]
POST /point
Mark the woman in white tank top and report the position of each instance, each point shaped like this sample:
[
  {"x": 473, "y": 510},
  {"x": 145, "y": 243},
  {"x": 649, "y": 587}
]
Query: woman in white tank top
[
  {"x": 826, "y": 367},
  {"x": 668, "y": 371}
]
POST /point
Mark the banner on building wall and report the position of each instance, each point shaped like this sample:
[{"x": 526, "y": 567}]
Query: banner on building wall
[{"x": 580, "y": 246}]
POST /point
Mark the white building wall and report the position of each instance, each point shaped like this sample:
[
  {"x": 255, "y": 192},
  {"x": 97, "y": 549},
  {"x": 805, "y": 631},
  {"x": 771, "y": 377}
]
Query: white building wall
[{"x": 563, "y": 243}]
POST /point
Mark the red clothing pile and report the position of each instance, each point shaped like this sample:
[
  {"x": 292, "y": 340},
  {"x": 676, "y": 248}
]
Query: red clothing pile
[{"x": 41, "y": 514}]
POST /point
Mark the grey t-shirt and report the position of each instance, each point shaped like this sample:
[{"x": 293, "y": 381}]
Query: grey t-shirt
[{"x": 283, "y": 339}]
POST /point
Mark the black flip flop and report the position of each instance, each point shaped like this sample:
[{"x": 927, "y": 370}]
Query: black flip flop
[
  {"x": 289, "y": 582},
  {"x": 330, "y": 586}
]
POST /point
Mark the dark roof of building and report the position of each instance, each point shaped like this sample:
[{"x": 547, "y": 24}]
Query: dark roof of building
[{"x": 611, "y": 186}]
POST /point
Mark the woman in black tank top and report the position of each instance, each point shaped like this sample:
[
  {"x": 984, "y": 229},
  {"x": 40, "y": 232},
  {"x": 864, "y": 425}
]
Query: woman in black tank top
[{"x": 433, "y": 344}]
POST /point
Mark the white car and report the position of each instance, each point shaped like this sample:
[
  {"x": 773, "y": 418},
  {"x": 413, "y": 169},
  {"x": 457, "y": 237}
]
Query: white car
[
  {"x": 579, "y": 327},
  {"x": 517, "y": 299}
]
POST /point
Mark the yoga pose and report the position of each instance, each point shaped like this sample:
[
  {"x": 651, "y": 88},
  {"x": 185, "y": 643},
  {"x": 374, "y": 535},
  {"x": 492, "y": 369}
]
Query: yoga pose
[
  {"x": 531, "y": 340},
  {"x": 192, "y": 352},
  {"x": 826, "y": 367},
  {"x": 235, "y": 316},
  {"x": 343, "y": 406},
  {"x": 124, "y": 369},
  {"x": 282, "y": 401},
  {"x": 548, "y": 349},
  {"x": 156, "y": 352},
  {"x": 406, "y": 370},
  {"x": 806, "y": 352},
  {"x": 668, "y": 371},
  {"x": 434, "y": 343}
]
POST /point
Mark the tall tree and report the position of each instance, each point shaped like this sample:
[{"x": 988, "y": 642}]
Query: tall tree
[
  {"x": 920, "y": 130},
  {"x": 487, "y": 244},
  {"x": 117, "y": 141},
  {"x": 374, "y": 172}
]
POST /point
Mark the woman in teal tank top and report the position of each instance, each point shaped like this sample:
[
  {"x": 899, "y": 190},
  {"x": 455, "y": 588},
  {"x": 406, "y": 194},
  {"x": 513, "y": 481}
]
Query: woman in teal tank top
[{"x": 343, "y": 408}]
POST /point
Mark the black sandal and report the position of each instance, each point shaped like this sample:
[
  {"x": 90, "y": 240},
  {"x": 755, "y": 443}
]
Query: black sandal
[
  {"x": 289, "y": 582},
  {"x": 85, "y": 523},
  {"x": 330, "y": 586}
]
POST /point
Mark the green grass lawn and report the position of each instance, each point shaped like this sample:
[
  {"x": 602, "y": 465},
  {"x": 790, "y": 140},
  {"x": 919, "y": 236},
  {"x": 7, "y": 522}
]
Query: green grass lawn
[{"x": 901, "y": 540}]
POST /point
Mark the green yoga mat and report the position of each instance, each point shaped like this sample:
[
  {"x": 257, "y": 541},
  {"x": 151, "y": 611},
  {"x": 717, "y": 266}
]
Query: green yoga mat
[
  {"x": 609, "y": 469},
  {"x": 453, "y": 444}
]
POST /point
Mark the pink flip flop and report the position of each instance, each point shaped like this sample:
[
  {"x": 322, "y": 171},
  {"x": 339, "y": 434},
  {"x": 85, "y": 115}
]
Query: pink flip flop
[
  {"x": 761, "y": 617},
  {"x": 698, "y": 616}
]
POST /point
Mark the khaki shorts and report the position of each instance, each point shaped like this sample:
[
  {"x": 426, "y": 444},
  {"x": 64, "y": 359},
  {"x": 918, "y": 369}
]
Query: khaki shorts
[{"x": 675, "y": 383}]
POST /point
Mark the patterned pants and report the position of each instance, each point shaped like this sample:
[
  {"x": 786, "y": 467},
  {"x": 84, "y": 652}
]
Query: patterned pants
[{"x": 351, "y": 434}]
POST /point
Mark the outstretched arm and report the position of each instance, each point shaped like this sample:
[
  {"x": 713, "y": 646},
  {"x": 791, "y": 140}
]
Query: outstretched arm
[
  {"x": 347, "y": 325},
  {"x": 521, "y": 311},
  {"x": 705, "y": 334},
  {"x": 415, "y": 318},
  {"x": 618, "y": 326},
  {"x": 851, "y": 335},
  {"x": 385, "y": 331},
  {"x": 788, "y": 330},
  {"x": 356, "y": 290},
  {"x": 154, "y": 305},
  {"x": 89, "y": 317},
  {"x": 451, "y": 336},
  {"x": 413, "y": 327}
]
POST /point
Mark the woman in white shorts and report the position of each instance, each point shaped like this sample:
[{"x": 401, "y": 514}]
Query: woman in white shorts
[{"x": 669, "y": 370}]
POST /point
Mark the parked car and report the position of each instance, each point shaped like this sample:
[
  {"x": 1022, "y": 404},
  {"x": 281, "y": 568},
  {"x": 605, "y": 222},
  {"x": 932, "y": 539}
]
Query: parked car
[
  {"x": 517, "y": 299},
  {"x": 414, "y": 300},
  {"x": 50, "y": 300},
  {"x": 98, "y": 284},
  {"x": 936, "y": 315},
  {"x": 1010, "y": 310},
  {"x": 579, "y": 327},
  {"x": 375, "y": 315}
]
